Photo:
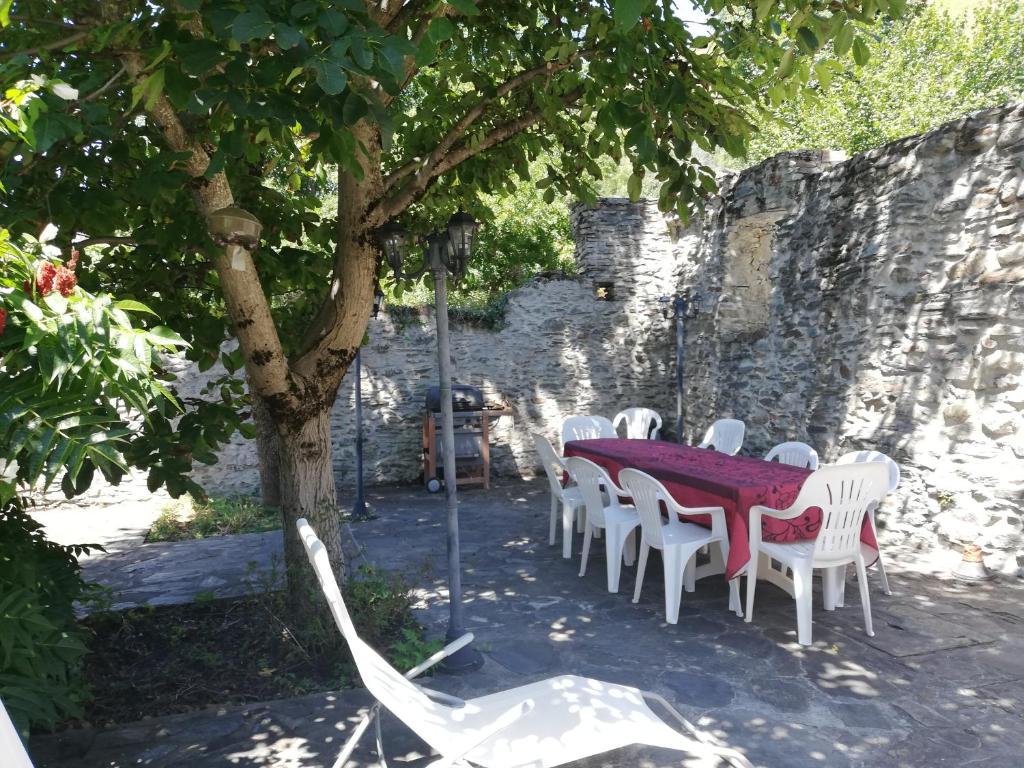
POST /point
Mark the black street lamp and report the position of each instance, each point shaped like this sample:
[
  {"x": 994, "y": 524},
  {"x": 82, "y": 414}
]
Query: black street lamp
[
  {"x": 445, "y": 251},
  {"x": 359, "y": 511}
]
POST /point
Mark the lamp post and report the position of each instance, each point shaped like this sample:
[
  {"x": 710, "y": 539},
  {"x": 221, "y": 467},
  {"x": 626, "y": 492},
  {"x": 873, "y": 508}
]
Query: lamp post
[
  {"x": 359, "y": 512},
  {"x": 445, "y": 251}
]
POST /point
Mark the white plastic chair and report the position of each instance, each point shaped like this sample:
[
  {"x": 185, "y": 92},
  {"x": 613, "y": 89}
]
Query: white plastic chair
[
  {"x": 844, "y": 495},
  {"x": 638, "y": 423},
  {"x": 13, "y": 751},
  {"x": 604, "y": 512},
  {"x": 725, "y": 436},
  {"x": 543, "y": 724},
  {"x": 678, "y": 541},
  {"x": 795, "y": 454},
  {"x": 586, "y": 428},
  {"x": 859, "y": 457},
  {"x": 570, "y": 498}
]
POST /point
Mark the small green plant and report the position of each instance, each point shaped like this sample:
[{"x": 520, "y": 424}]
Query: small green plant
[
  {"x": 187, "y": 518},
  {"x": 413, "y": 649},
  {"x": 946, "y": 500}
]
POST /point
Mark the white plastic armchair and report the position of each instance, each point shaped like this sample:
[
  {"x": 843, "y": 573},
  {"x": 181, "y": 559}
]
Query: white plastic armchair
[
  {"x": 794, "y": 453},
  {"x": 725, "y": 436},
  {"x": 604, "y": 512},
  {"x": 639, "y": 422},
  {"x": 678, "y": 541},
  {"x": 586, "y": 428},
  {"x": 539, "y": 725},
  {"x": 859, "y": 457},
  {"x": 569, "y": 497},
  {"x": 13, "y": 751},
  {"x": 844, "y": 494}
]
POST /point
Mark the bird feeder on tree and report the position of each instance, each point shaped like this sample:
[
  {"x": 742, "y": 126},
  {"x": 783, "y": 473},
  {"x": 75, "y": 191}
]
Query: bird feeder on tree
[{"x": 237, "y": 230}]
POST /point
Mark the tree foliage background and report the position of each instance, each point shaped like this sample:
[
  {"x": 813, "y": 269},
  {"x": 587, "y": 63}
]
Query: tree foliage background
[{"x": 934, "y": 65}]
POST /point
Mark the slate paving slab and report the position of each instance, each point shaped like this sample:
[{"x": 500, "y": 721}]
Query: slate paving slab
[{"x": 943, "y": 690}]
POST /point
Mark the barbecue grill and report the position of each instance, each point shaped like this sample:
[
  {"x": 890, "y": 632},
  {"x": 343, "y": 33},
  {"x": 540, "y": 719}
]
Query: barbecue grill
[{"x": 471, "y": 420}]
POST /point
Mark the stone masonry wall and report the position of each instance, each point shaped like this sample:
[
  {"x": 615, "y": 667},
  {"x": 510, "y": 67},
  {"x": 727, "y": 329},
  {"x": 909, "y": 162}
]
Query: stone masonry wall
[{"x": 893, "y": 317}]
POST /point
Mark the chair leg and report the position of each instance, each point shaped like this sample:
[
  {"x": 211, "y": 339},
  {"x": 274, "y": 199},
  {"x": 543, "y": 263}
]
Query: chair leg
[
  {"x": 380, "y": 743},
  {"x": 690, "y": 575},
  {"x": 614, "y": 541},
  {"x": 830, "y": 586},
  {"x": 588, "y": 534},
  {"x": 841, "y": 587},
  {"x": 581, "y": 519},
  {"x": 751, "y": 585},
  {"x": 554, "y": 521},
  {"x": 881, "y": 565},
  {"x": 568, "y": 510},
  {"x": 802, "y": 592},
  {"x": 641, "y": 566},
  {"x": 675, "y": 576},
  {"x": 350, "y": 745},
  {"x": 629, "y": 548},
  {"x": 865, "y": 598}
]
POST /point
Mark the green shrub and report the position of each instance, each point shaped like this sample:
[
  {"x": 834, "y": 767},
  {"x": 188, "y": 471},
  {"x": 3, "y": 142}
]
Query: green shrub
[{"x": 41, "y": 644}]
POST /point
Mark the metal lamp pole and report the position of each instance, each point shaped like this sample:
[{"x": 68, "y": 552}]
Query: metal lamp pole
[
  {"x": 679, "y": 305},
  {"x": 359, "y": 511},
  {"x": 446, "y": 251}
]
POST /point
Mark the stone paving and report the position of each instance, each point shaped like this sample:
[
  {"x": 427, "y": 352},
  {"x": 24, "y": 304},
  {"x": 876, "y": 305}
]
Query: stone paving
[{"x": 940, "y": 684}]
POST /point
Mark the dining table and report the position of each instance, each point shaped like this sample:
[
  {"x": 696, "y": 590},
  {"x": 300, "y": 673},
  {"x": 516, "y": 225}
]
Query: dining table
[{"x": 702, "y": 477}]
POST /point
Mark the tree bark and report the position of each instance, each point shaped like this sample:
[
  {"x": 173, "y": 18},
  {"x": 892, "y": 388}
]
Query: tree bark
[
  {"x": 268, "y": 451},
  {"x": 308, "y": 490}
]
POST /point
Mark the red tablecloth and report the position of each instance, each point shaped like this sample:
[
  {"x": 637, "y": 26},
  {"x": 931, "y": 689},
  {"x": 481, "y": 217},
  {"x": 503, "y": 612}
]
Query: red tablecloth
[{"x": 698, "y": 477}]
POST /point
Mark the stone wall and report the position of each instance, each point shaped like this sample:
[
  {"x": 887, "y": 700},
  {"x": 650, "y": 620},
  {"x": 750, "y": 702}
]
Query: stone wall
[{"x": 877, "y": 302}]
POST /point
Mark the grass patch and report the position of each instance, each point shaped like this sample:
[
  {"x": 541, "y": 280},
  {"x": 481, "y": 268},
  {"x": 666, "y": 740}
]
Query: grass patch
[
  {"x": 167, "y": 659},
  {"x": 186, "y": 518}
]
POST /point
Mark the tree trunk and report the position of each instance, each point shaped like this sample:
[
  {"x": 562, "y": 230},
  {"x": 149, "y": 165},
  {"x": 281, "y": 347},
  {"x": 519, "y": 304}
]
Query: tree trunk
[
  {"x": 308, "y": 490},
  {"x": 268, "y": 451}
]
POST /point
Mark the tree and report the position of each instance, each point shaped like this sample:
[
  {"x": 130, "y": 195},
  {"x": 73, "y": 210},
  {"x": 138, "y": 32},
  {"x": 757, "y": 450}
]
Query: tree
[
  {"x": 928, "y": 68},
  {"x": 133, "y": 121}
]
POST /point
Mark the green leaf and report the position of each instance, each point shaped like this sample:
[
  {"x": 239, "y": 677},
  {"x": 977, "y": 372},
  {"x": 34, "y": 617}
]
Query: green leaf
[
  {"x": 330, "y": 76},
  {"x": 808, "y": 38},
  {"x": 288, "y": 36},
  {"x": 764, "y": 7},
  {"x": 465, "y": 7},
  {"x": 844, "y": 39},
  {"x": 440, "y": 29},
  {"x": 163, "y": 336},
  {"x": 252, "y": 25},
  {"x": 130, "y": 305},
  {"x": 786, "y": 64},
  {"x": 861, "y": 52},
  {"x": 634, "y": 186},
  {"x": 5, "y": 12},
  {"x": 333, "y": 22},
  {"x": 627, "y": 12}
]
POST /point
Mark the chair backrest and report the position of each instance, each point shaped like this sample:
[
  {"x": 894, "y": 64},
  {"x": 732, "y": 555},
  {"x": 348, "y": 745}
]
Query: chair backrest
[
  {"x": 13, "y": 751},
  {"x": 638, "y": 423},
  {"x": 591, "y": 479},
  {"x": 647, "y": 493},
  {"x": 725, "y": 435},
  {"x": 794, "y": 453},
  {"x": 844, "y": 495},
  {"x": 859, "y": 457},
  {"x": 586, "y": 428},
  {"x": 553, "y": 465},
  {"x": 403, "y": 698}
]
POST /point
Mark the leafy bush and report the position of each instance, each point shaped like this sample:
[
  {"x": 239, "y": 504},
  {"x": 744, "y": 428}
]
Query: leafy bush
[
  {"x": 189, "y": 518},
  {"x": 41, "y": 644}
]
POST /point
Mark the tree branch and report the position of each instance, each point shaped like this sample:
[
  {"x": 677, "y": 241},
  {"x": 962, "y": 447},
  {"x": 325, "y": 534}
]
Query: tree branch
[
  {"x": 243, "y": 294},
  {"x": 53, "y": 45},
  {"x": 107, "y": 85},
  {"x": 87, "y": 241},
  {"x": 388, "y": 208},
  {"x": 546, "y": 69}
]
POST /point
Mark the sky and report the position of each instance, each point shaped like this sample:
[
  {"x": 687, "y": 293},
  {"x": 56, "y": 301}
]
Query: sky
[{"x": 685, "y": 10}]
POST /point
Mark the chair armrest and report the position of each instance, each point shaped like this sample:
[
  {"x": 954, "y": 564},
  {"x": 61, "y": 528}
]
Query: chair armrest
[
  {"x": 441, "y": 655},
  {"x": 780, "y": 514},
  {"x": 443, "y": 698}
]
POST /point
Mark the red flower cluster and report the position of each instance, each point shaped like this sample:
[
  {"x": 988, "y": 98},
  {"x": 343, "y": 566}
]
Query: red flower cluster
[
  {"x": 3, "y": 320},
  {"x": 50, "y": 277}
]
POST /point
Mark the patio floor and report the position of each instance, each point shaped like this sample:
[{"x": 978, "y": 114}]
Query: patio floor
[{"x": 940, "y": 684}]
